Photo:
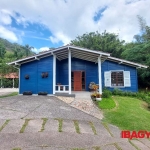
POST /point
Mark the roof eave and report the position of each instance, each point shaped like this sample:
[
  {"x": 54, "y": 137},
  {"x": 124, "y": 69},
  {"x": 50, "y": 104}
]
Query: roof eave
[
  {"x": 122, "y": 61},
  {"x": 87, "y": 50}
]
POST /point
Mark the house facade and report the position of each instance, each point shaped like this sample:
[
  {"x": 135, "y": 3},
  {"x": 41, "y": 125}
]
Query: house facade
[{"x": 71, "y": 68}]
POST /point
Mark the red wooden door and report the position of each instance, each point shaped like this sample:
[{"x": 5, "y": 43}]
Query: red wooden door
[{"x": 77, "y": 81}]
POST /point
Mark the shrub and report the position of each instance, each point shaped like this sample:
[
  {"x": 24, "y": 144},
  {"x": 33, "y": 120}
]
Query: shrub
[
  {"x": 42, "y": 93},
  {"x": 141, "y": 95},
  {"x": 117, "y": 91},
  {"x": 129, "y": 94},
  {"x": 7, "y": 83},
  {"x": 134, "y": 94},
  {"x": 27, "y": 93},
  {"x": 16, "y": 83},
  {"x": 106, "y": 93}
]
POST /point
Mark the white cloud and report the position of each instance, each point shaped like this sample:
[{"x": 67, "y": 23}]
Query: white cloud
[
  {"x": 66, "y": 20},
  {"x": 7, "y": 34},
  {"x": 42, "y": 49},
  {"x": 5, "y": 17},
  {"x": 54, "y": 39},
  {"x": 60, "y": 37}
]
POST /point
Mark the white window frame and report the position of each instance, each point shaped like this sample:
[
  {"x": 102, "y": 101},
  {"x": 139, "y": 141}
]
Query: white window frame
[{"x": 123, "y": 79}]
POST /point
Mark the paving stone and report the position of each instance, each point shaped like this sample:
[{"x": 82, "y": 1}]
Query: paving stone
[
  {"x": 140, "y": 145},
  {"x": 126, "y": 146},
  {"x": 68, "y": 126},
  {"x": 100, "y": 130},
  {"x": 34, "y": 125},
  {"x": 145, "y": 141},
  {"x": 5, "y": 102},
  {"x": 13, "y": 126},
  {"x": 85, "y": 127},
  {"x": 109, "y": 147},
  {"x": 10, "y": 114},
  {"x": 51, "y": 125},
  {"x": 114, "y": 130},
  {"x": 23, "y": 106}
]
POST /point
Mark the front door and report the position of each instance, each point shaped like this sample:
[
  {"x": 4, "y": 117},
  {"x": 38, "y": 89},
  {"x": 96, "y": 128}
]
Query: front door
[{"x": 77, "y": 80}]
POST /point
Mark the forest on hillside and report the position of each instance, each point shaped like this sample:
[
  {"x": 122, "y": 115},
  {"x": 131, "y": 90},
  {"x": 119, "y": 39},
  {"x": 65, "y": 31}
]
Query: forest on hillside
[
  {"x": 137, "y": 51},
  {"x": 11, "y": 52}
]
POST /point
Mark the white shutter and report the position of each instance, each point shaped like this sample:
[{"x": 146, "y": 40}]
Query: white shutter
[
  {"x": 107, "y": 76},
  {"x": 127, "y": 82}
]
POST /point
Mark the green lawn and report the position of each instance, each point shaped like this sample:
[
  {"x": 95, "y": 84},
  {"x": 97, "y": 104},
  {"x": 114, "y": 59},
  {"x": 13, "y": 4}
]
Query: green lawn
[
  {"x": 129, "y": 114},
  {"x": 12, "y": 94},
  {"x": 106, "y": 103}
]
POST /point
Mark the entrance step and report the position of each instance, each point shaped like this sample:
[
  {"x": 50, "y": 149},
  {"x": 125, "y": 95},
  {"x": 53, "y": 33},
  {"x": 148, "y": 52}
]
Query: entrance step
[{"x": 65, "y": 94}]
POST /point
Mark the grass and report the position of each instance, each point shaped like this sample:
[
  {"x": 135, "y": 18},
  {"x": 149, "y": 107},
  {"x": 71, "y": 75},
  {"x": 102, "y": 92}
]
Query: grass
[
  {"x": 3, "y": 126},
  {"x": 24, "y": 125},
  {"x": 106, "y": 127},
  {"x": 96, "y": 148},
  {"x": 8, "y": 95},
  {"x": 116, "y": 145},
  {"x": 76, "y": 124},
  {"x": 106, "y": 103},
  {"x": 77, "y": 149},
  {"x": 60, "y": 121},
  {"x": 130, "y": 114},
  {"x": 43, "y": 124},
  {"x": 133, "y": 145},
  {"x": 16, "y": 149},
  {"x": 93, "y": 128}
]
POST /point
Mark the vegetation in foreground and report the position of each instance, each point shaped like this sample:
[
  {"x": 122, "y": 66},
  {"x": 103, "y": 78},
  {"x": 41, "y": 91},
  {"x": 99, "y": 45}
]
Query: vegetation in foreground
[
  {"x": 129, "y": 114},
  {"x": 8, "y": 95},
  {"x": 127, "y": 110},
  {"x": 106, "y": 103}
]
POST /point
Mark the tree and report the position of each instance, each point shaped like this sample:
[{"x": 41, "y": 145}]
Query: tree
[
  {"x": 106, "y": 42},
  {"x": 2, "y": 50},
  {"x": 17, "y": 52},
  {"x": 28, "y": 49},
  {"x": 139, "y": 51},
  {"x": 145, "y": 31}
]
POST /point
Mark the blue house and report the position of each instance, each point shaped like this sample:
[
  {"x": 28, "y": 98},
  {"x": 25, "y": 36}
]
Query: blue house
[{"x": 71, "y": 68}]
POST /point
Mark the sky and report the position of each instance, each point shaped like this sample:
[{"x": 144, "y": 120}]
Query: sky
[{"x": 53, "y": 23}]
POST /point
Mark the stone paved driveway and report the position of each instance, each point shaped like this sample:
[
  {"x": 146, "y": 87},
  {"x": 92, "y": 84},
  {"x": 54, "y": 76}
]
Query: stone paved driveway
[{"x": 39, "y": 122}]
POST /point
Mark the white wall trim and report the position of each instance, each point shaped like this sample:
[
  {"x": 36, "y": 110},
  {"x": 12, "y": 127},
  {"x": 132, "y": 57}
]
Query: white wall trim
[
  {"x": 19, "y": 79},
  {"x": 69, "y": 70},
  {"x": 54, "y": 73},
  {"x": 100, "y": 74}
]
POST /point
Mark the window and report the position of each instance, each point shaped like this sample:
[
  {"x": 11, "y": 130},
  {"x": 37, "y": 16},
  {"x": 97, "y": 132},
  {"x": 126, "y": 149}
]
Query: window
[{"x": 117, "y": 78}]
